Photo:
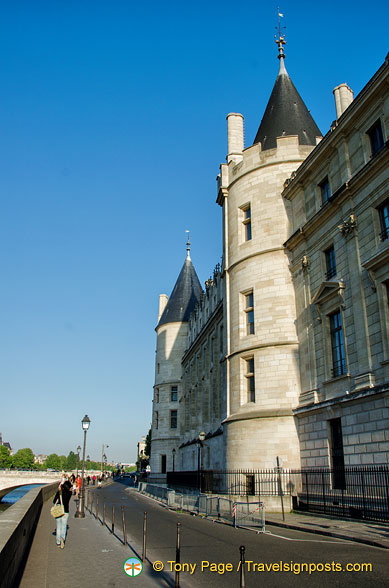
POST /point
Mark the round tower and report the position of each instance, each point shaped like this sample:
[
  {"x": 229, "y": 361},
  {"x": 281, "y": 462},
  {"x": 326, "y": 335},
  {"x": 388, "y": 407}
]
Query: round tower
[
  {"x": 262, "y": 374},
  {"x": 172, "y": 331}
]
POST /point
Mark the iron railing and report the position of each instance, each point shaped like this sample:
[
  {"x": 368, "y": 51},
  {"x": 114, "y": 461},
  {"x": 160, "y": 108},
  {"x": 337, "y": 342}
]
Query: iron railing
[{"x": 350, "y": 491}]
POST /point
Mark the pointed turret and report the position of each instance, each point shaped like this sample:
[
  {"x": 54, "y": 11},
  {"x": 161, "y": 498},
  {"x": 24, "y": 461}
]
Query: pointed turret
[
  {"x": 286, "y": 113},
  {"x": 186, "y": 293}
]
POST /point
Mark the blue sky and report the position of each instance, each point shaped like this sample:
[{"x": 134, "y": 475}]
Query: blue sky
[{"x": 112, "y": 130}]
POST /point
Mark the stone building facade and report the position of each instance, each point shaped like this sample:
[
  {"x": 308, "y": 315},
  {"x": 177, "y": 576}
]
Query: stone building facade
[
  {"x": 338, "y": 209},
  {"x": 285, "y": 352}
]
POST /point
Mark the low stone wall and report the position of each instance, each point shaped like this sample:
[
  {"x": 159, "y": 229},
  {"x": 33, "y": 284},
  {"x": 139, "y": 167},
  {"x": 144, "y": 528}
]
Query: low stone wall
[{"x": 17, "y": 526}]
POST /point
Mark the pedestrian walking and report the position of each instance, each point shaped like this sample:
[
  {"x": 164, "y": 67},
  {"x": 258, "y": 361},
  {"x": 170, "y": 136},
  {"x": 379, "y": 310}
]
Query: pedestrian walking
[
  {"x": 64, "y": 494},
  {"x": 78, "y": 486}
]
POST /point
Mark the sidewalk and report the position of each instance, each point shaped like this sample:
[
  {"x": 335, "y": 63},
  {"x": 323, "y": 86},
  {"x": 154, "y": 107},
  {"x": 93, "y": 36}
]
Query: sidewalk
[
  {"x": 368, "y": 532},
  {"x": 92, "y": 557}
]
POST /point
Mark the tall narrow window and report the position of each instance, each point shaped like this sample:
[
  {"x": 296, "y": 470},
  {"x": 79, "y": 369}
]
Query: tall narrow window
[
  {"x": 330, "y": 262},
  {"x": 173, "y": 419},
  {"x": 163, "y": 464},
  {"x": 325, "y": 190},
  {"x": 250, "y": 380},
  {"x": 337, "y": 454},
  {"x": 156, "y": 419},
  {"x": 383, "y": 212},
  {"x": 247, "y": 222},
  {"x": 173, "y": 393},
  {"x": 337, "y": 345},
  {"x": 376, "y": 137},
  {"x": 157, "y": 395},
  {"x": 249, "y": 310}
]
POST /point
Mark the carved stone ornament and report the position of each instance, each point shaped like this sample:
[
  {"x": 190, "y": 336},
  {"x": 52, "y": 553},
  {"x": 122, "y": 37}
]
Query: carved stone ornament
[
  {"x": 348, "y": 226},
  {"x": 305, "y": 262}
]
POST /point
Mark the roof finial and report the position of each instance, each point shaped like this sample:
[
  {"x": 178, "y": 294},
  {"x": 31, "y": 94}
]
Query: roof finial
[
  {"x": 187, "y": 246},
  {"x": 281, "y": 37}
]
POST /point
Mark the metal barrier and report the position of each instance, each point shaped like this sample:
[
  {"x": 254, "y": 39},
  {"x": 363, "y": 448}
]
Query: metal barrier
[{"x": 241, "y": 514}]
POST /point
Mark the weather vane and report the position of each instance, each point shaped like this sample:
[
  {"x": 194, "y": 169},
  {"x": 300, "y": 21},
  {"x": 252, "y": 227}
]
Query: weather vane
[
  {"x": 281, "y": 37},
  {"x": 187, "y": 244}
]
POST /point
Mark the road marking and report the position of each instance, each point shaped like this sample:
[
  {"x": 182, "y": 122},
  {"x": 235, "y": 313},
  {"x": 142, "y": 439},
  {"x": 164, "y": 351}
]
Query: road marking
[{"x": 339, "y": 541}]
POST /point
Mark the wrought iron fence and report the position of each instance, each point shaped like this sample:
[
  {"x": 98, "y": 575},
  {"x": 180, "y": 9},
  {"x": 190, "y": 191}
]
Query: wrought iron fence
[
  {"x": 353, "y": 491},
  {"x": 238, "y": 482}
]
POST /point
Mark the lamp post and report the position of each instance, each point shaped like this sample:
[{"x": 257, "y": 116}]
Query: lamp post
[
  {"x": 78, "y": 458},
  {"x": 199, "y": 444},
  {"x": 102, "y": 457},
  {"x": 80, "y": 514},
  {"x": 174, "y": 455}
]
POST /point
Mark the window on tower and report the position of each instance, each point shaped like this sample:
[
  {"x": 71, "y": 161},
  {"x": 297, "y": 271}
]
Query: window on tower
[
  {"x": 249, "y": 311},
  {"x": 173, "y": 419},
  {"x": 246, "y": 210},
  {"x": 174, "y": 393},
  {"x": 250, "y": 379}
]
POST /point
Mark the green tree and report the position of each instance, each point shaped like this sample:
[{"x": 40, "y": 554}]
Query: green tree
[
  {"x": 24, "y": 459},
  {"x": 53, "y": 461},
  {"x": 71, "y": 461},
  {"x": 62, "y": 461},
  {"x": 5, "y": 457},
  {"x": 148, "y": 444}
]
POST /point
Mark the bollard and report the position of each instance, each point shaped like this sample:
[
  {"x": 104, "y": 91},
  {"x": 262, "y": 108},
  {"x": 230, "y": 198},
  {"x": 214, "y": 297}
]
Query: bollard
[
  {"x": 124, "y": 527},
  {"x": 91, "y": 506},
  {"x": 113, "y": 519},
  {"x": 241, "y": 567},
  {"x": 144, "y": 535},
  {"x": 97, "y": 508},
  {"x": 280, "y": 487},
  {"x": 104, "y": 506},
  {"x": 178, "y": 548}
]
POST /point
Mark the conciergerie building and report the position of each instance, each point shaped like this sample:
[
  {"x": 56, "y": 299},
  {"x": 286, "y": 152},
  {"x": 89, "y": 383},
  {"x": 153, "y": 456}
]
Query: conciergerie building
[{"x": 285, "y": 352}]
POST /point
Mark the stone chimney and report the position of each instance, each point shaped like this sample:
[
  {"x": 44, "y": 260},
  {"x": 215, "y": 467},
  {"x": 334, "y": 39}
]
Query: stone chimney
[
  {"x": 343, "y": 98},
  {"x": 163, "y": 298},
  {"x": 235, "y": 136}
]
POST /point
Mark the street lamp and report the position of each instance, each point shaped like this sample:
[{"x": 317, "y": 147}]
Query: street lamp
[
  {"x": 174, "y": 455},
  {"x": 199, "y": 443},
  {"x": 78, "y": 458},
  {"x": 102, "y": 457},
  {"x": 80, "y": 514}
]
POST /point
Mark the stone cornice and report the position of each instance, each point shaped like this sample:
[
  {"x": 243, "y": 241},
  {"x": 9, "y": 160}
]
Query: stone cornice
[
  {"x": 340, "y": 400},
  {"x": 262, "y": 346},
  {"x": 259, "y": 414},
  {"x": 255, "y": 254}
]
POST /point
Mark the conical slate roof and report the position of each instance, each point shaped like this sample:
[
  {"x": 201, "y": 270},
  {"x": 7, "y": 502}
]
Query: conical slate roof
[
  {"x": 286, "y": 114},
  {"x": 186, "y": 293}
]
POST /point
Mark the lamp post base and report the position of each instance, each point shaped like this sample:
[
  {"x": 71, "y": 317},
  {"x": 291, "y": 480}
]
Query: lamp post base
[{"x": 79, "y": 515}]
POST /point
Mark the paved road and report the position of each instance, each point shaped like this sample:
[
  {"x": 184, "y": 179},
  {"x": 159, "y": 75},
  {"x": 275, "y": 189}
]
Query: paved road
[{"x": 206, "y": 541}]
